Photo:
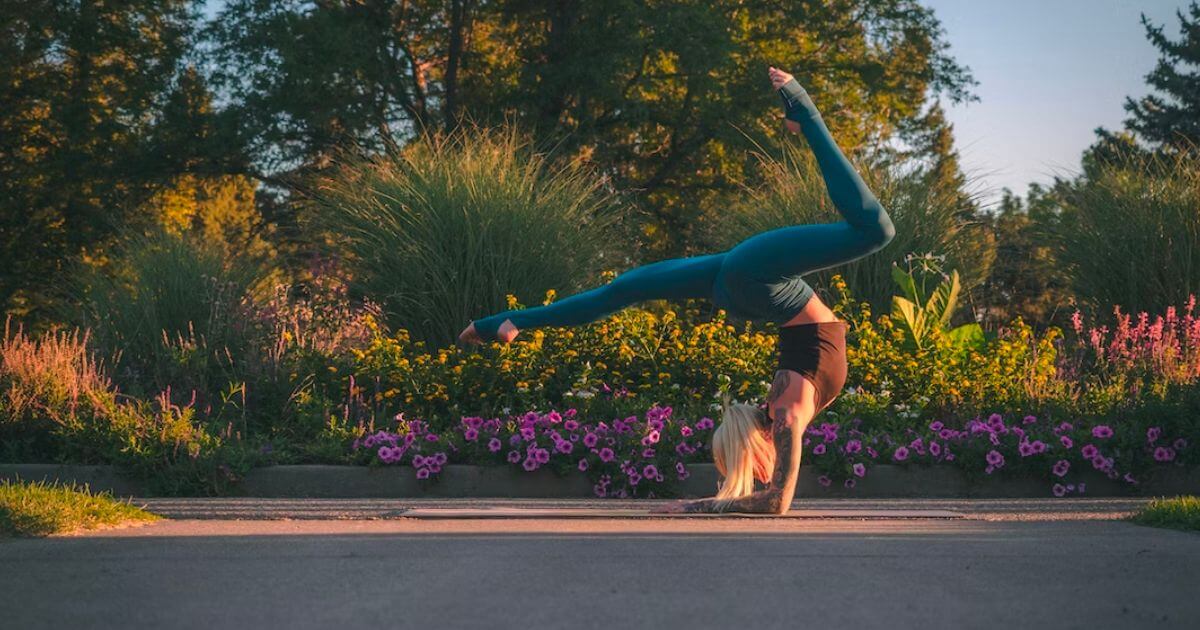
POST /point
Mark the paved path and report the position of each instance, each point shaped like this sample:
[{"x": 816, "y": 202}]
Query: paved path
[{"x": 995, "y": 568}]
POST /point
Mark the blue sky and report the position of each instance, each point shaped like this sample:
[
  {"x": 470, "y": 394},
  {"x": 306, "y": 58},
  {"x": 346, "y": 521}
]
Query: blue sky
[{"x": 1049, "y": 72}]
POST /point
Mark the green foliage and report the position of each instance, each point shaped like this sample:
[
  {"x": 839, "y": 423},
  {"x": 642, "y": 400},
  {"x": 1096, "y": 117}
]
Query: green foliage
[
  {"x": 929, "y": 214},
  {"x": 1181, "y": 512},
  {"x": 41, "y": 509},
  {"x": 172, "y": 310},
  {"x": 440, "y": 231},
  {"x": 1129, "y": 234},
  {"x": 96, "y": 110},
  {"x": 1026, "y": 279},
  {"x": 1172, "y": 117},
  {"x": 921, "y": 311},
  {"x": 654, "y": 93}
]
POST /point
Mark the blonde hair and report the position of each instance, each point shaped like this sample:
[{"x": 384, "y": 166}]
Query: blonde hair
[{"x": 741, "y": 452}]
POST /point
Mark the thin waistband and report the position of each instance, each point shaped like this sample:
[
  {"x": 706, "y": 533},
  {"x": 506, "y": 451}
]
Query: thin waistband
[{"x": 816, "y": 325}]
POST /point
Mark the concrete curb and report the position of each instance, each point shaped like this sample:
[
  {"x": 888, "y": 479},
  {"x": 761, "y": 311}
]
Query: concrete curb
[{"x": 460, "y": 481}]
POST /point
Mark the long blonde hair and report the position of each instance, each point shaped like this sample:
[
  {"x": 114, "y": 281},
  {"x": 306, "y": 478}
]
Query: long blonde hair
[{"x": 741, "y": 452}]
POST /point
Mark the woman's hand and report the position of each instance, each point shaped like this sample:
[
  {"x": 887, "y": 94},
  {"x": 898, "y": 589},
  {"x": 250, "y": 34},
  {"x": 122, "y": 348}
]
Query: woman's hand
[{"x": 699, "y": 506}]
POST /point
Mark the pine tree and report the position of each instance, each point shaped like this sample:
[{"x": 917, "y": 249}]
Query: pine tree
[{"x": 1172, "y": 117}]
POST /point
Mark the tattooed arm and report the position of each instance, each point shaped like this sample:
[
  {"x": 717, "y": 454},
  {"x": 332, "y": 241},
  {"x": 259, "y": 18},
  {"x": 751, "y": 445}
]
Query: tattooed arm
[{"x": 792, "y": 399}]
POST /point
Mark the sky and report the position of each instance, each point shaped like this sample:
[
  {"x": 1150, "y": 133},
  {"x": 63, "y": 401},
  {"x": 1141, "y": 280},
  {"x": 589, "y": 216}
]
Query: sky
[{"x": 1050, "y": 72}]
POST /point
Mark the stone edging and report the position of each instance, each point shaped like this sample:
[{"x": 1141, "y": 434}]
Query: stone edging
[{"x": 461, "y": 481}]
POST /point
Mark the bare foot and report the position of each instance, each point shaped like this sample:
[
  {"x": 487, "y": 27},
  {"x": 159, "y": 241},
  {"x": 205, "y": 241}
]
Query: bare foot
[
  {"x": 506, "y": 333},
  {"x": 778, "y": 78},
  {"x": 470, "y": 335}
]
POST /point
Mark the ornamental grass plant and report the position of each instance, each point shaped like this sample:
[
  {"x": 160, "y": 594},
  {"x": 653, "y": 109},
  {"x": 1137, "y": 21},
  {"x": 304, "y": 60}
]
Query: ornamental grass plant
[{"x": 439, "y": 232}]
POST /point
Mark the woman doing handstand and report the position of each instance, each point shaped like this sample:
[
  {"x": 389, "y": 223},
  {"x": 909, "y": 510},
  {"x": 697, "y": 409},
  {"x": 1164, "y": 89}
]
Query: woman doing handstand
[{"x": 759, "y": 279}]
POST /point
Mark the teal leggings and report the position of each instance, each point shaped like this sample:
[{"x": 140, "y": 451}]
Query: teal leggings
[{"x": 760, "y": 278}]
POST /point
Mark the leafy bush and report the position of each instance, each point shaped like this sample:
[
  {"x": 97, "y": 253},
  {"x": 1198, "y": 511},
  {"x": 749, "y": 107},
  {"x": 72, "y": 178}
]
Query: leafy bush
[
  {"x": 439, "y": 231},
  {"x": 1129, "y": 233}
]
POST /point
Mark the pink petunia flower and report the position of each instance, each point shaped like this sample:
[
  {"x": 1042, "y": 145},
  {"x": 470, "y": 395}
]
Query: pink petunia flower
[
  {"x": 860, "y": 469},
  {"x": 494, "y": 445}
]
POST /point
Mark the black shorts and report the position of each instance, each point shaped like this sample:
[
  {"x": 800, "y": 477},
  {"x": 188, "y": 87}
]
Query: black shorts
[{"x": 817, "y": 352}]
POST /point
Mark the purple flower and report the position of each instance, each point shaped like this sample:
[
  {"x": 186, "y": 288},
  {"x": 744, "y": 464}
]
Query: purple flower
[
  {"x": 439, "y": 458},
  {"x": 1067, "y": 442},
  {"x": 947, "y": 434},
  {"x": 650, "y": 471},
  {"x": 995, "y": 422},
  {"x": 995, "y": 458},
  {"x": 583, "y": 465},
  {"x": 819, "y": 449},
  {"x": 423, "y": 473},
  {"x": 565, "y": 446},
  {"x": 1152, "y": 434},
  {"x": 685, "y": 431},
  {"x": 704, "y": 424},
  {"x": 418, "y": 461},
  {"x": 994, "y": 439},
  {"x": 1025, "y": 449},
  {"x": 1038, "y": 446},
  {"x": 470, "y": 434},
  {"x": 541, "y": 455},
  {"x": 872, "y": 452},
  {"x": 648, "y": 453},
  {"x": 824, "y": 480},
  {"x": 936, "y": 425},
  {"x": 600, "y": 491},
  {"x": 901, "y": 454},
  {"x": 990, "y": 469},
  {"x": 1061, "y": 467},
  {"x": 1129, "y": 478},
  {"x": 860, "y": 469},
  {"x": 634, "y": 478},
  {"x": 514, "y": 457},
  {"x": 1029, "y": 419},
  {"x": 1058, "y": 490},
  {"x": 1102, "y": 431},
  {"x": 527, "y": 433},
  {"x": 494, "y": 445},
  {"x": 1088, "y": 451},
  {"x": 1082, "y": 487},
  {"x": 431, "y": 437},
  {"x": 651, "y": 438},
  {"x": 1180, "y": 444},
  {"x": 849, "y": 483},
  {"x": 590, "y": 439},
  {"x": 529, "y": 464},
  {"x": 681, "y": 471},
  {"x": 853, "y": 446},
  {"x": 606, "y": 455},
  {"x": 935, "y": 449},
  {"x": 571, "y": 425},
  {"x": 1163, "y": 454}
]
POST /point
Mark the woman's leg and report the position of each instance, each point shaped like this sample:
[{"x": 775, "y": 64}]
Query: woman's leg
[
  {"x": 779, "y": 254},
  {"x": 676, "y": 279}
]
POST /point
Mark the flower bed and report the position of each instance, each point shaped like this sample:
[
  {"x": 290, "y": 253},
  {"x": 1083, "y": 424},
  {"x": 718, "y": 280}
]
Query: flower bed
[{"x": 642, "y": 456}]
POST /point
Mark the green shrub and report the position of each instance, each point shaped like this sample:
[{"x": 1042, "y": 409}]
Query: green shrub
[
  {"x": 439, "y": 232},
  {"x": 173, "y": 310},
  {"x": 929, "y": 215},
  {"x": 1129, "y": 233}
]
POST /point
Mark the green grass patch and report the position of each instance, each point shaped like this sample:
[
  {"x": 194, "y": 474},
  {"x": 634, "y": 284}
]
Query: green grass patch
[
  {"x": 41, "y": 509},
  {"x": 1181, "y": 512}
]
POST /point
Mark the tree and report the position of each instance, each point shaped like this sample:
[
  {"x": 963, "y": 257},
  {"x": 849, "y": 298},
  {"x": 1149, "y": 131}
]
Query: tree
[
  {"x": 1172, "y": 119},
  {"x": 1026, "y": 279},
  {"x": 85, "y": 105},
  {"x": 662, "y": 96}
]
